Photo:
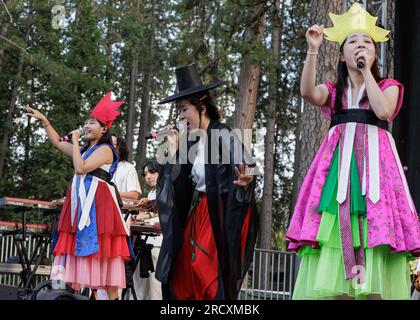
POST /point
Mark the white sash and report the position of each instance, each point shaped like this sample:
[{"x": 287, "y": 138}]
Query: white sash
[
  {"x": 73, "y": 195},
  {"x": 343, "y": 178},
  {"x": 373, "y": 145},
  {"x": 373, "y": 150},
  {"x": 82, "y": 196},
  {"x": 86, "y": 201}
]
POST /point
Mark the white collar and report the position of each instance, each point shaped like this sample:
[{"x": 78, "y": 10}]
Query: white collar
[{"x": 350, "y": 104}]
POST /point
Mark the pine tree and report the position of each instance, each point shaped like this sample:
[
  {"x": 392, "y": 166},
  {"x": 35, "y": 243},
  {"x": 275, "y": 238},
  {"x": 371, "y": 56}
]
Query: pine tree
[{"x": 313, "y": 126}]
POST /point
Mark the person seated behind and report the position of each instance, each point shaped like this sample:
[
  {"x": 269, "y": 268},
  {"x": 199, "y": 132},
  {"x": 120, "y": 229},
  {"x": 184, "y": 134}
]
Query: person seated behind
[
  {"x": 150, "y": 173},
  {"x": 149, "y": 288},
  {"x": 125, "y": 178}
]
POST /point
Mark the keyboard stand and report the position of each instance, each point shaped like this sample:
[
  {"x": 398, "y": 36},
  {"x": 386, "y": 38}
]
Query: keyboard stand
[{"x": 30, "y": 265}]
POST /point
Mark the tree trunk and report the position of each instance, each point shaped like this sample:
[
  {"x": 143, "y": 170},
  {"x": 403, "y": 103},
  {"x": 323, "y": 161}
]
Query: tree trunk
[
  {"x": 109, "y": 43},
  {"x": 132, "y": 96},
  {"x": 297, "y": 153},
  {"x": 147, "y": 88},
  {"x": 4, "y": 29},
  {"x": 78, "y": 29},
  {"x": 172, "y": 111},
  {"x": 77, "y": 26},
  {"x": 26, "y": 167},
  {"x": 145, "y": 113},
  {"x": 249, "y": 77},
  {"x": 265, "y": 232},
  {"x": 4, "y": 148},
  {"x": 27, "y": 146},
  {"x": 313, "y": 126},
  {"x": 390, "y": 45}
]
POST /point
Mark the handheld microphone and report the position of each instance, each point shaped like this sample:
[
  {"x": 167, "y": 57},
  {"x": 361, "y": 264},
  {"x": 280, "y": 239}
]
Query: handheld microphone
[
  {"x": 161, "y": 132},
  {"x": 180, "y": 126},
  {"x": 68, "y": 136},
  {"x": 361, "y": 63}
]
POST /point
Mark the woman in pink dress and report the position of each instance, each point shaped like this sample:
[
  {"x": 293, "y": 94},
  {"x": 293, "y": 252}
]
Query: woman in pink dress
[{"x": 354, "y": 225}]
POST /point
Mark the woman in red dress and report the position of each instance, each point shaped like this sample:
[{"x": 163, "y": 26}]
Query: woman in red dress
[{"x": 90, "y": 246}]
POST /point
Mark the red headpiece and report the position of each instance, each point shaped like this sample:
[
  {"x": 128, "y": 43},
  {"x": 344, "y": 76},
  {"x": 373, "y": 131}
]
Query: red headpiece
[{"x": 106, "y": 110}]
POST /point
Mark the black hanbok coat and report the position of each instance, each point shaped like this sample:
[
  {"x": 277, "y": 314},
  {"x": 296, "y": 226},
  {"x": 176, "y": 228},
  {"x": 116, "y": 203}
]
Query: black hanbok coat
[{"x": 228, "y": 205}]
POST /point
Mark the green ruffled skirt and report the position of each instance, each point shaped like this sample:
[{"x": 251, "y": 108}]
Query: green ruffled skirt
[{"x": 321, "y": 274}]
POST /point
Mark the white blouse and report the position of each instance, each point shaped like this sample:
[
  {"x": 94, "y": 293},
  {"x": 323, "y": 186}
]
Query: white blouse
[
  {"x": 198, "y": 170},
  {"x": 126, "y": 178}
]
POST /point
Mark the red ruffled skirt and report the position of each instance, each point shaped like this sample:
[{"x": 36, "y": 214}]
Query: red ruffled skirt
[
  {"x": 196, "y": 271},
  {"x": 103, "y": 269}
]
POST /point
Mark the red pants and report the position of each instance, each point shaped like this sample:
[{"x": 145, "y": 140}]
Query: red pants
[{"x": 196, "y": 270}]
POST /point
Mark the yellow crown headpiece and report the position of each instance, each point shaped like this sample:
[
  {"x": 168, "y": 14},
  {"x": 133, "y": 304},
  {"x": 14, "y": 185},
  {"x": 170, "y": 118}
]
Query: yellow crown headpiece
[{"x": 356, "y": 19}]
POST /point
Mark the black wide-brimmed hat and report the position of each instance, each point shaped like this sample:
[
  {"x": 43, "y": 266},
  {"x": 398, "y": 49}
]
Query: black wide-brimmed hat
[{"x": 189, "y": 82}]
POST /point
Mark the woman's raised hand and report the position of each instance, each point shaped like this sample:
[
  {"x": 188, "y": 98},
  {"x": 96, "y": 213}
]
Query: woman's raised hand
[
  {"x": 368, "y": 59},
  {"x": 36, "y": 114},
  {"x": 53, "y": 136},
  {"x": 315, "y": 36},
  {"x": 244, "y": 174},
  {"x": 75, "y": 135},
  {"x": 173, "y": 138}
]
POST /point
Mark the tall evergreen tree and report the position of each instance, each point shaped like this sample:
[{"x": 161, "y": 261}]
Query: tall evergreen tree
[{"x": 313, "y": 126}]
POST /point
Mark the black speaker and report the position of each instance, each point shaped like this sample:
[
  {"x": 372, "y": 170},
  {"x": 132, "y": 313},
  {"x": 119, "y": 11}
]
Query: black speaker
[
  {"x": 45, "y": 291},
  {"x": 52, "y": 294},
  {"x": 8, "y": 292}
]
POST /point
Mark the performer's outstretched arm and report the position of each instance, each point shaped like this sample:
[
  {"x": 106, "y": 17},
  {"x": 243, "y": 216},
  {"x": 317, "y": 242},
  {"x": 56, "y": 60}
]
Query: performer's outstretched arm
[
  {"x": 316, "y": 95},
  {"x": 53, "y": 136}
]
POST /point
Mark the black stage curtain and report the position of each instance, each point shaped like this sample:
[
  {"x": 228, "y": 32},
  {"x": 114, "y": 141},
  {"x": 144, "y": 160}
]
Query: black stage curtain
[{"x": 406, "y": 129}]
